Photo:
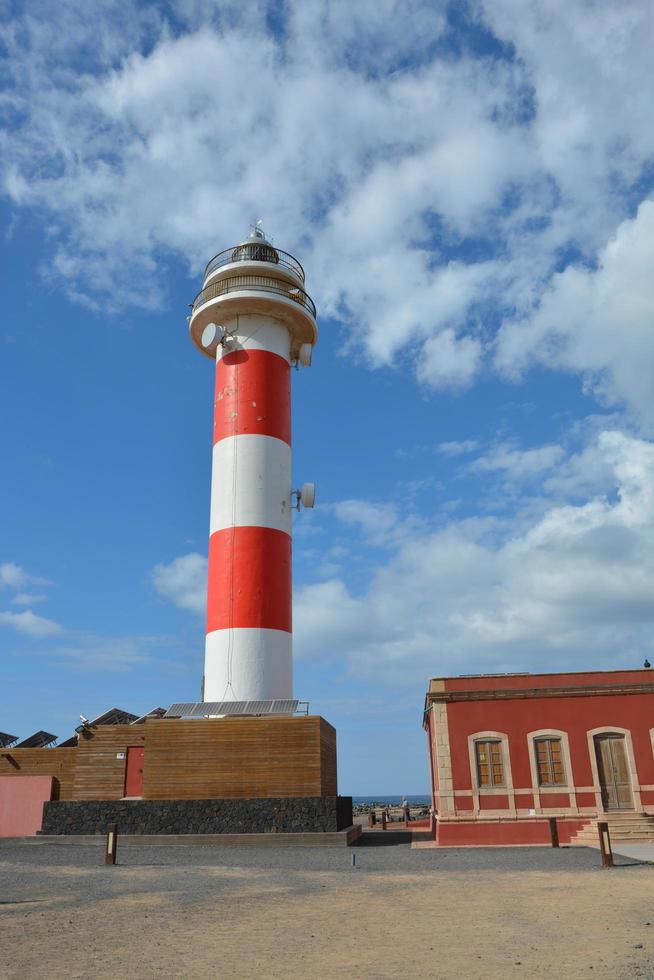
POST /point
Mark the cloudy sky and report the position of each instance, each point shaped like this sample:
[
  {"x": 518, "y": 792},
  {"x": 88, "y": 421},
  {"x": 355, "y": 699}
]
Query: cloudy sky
[{"x": 470, "y": 187}]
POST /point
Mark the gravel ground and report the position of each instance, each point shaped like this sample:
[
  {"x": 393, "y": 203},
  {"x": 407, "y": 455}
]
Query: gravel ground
[
  {"x": 244, "y": 912},
  {"x": 371, "y": 855}
]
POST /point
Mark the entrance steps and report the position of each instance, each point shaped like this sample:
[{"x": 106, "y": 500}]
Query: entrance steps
[{"x": 627, "y": 826}]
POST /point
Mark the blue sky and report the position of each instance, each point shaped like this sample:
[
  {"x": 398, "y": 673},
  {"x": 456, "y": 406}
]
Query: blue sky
[{"x": 471, "y": 199}]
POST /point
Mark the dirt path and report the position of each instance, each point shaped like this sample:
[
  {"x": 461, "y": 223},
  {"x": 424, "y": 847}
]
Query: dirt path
[{"x": 242, "y": 923}]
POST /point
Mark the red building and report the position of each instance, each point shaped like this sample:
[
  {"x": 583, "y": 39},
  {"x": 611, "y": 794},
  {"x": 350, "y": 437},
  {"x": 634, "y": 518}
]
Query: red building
[{"x": 507, "y": 751}]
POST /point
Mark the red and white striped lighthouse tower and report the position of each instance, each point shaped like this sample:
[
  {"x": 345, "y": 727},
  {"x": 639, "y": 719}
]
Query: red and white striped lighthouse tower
[{"x": 255, "y": 320}]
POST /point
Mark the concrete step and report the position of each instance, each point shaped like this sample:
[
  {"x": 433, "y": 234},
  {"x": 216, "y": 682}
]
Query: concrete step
[
  {"x": 627, "y": 818},
  {"x": 592, "y": 838},
  {"x": 341, "y": 838},
  {"x": 623, "y": 827}
]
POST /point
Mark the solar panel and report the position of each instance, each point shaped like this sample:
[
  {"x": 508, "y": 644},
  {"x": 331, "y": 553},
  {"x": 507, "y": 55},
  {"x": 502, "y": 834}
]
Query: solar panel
[
  {"x": 6, "y": 740},
  {"x": 114, "y": 716},
  {"x": 181, "y": 709},
  {"x": 200, "y": 709},
  {"x": 155, "y": 713},
  {"x": 259, "y": 707},
  {"x": 283, "y": 707},
  {"x": 39, "y": 740},
  {"x": 69, "y": 743}
]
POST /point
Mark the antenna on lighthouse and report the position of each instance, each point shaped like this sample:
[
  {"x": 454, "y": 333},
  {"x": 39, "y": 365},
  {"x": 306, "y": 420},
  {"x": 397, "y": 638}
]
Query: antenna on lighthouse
[
  {"x": 305, "y": 354},
  {"x": 256, "y": 229},
  {"x": 306, "y": 496},
  {"x": 212, "y": 335}
]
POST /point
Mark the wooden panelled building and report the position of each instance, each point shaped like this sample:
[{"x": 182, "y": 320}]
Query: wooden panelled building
[{"x": 227, "y": 758}]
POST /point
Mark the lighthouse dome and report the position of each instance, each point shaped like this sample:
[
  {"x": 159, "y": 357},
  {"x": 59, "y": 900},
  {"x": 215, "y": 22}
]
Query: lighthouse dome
[{"x": 255, "y": 248}]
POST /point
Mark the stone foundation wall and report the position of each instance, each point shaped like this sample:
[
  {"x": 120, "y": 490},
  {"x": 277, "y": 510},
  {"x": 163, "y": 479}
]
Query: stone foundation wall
[{"x": 282, "y": 815}]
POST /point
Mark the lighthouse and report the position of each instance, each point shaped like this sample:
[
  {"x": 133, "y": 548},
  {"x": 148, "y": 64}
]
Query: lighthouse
[{"x": 254, "y": 319}]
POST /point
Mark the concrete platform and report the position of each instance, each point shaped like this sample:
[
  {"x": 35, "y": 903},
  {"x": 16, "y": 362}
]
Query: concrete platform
[
  {"x": 637, "y": 851},
  {"x": 340, "y": 838}
]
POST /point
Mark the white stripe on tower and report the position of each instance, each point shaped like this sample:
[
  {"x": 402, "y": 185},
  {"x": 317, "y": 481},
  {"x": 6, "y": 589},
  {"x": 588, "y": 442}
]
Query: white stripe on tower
[{"x": 248, "y": 653}]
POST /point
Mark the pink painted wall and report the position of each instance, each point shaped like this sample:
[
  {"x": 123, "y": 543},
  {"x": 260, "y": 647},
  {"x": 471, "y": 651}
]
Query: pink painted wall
[{"x": 21, "y": 804}]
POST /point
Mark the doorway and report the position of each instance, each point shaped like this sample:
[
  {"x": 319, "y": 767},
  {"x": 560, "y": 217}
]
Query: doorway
[
  {"x": 134, "y": 771},
  {"x": 613, "y": 772}
]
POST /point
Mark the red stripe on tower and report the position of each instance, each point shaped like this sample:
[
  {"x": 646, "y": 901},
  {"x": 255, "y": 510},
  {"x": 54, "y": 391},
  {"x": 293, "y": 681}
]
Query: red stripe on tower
[
  {"x": 249, "y": 579},
  {"x": 253, "y": 395}
]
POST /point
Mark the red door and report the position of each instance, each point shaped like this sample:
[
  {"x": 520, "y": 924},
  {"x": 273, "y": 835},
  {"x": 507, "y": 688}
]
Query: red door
[{"x": 134, "y": 771}]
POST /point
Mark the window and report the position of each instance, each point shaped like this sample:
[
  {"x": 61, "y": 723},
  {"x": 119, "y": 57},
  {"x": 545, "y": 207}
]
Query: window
[
  {"x": 490, "y": 765},
  {"x": 549, "y": 762}
]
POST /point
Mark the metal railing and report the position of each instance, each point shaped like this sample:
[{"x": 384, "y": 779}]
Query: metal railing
[
  {"x": 254, "y": 252},
  {"x": 258, "y": 284}
]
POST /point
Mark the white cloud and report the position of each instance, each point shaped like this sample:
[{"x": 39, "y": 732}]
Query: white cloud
[
  {"x": 518, "y": 464},
  {"x": 458, "y": 447},
  {"x": 112, "y": 653},
  {"x": 30, "y": 624},
  {"x": 427, "y": 193},
  {"x": 559, "y": 585},
  {"x": 600, "y": 323},
  {"x": 183, "y": 581},
  {"x": 447, "y": 362},
  {"x": 574, "y": 588},
  {"x": 13, "y": 576},
  {"x": 27, "y": 599}
]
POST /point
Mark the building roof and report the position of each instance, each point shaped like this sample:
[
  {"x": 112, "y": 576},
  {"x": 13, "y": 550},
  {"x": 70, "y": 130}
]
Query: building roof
[{"x": 495, "y": 687}]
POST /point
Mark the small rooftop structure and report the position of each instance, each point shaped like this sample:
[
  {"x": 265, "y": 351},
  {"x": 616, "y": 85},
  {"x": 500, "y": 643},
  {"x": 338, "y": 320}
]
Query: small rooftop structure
[
  {"x": 114, "y": 716},
  {"x": 154, "y": 713},
  {"x": 39, "y": 740},
  {"x": 6, "y": 740},
  {"x": 255, "y": 248}
]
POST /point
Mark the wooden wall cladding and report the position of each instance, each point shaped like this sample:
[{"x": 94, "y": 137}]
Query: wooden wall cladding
[
  {"x": 58, "y": 763},
  {"x": 99, "y": 773},
  {"x": 238, "y": 758},
  {"x": 328, "y": 758},
  {"x": 207, "y": 758}
]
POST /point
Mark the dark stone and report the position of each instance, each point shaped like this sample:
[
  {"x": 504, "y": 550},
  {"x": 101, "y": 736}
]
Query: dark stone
[{"x": 284, "y": 815}]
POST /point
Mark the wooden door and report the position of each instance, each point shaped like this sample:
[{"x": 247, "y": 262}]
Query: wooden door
[
  {"x": 613, "y": 772},
  {"x": 134, "y": 771}
]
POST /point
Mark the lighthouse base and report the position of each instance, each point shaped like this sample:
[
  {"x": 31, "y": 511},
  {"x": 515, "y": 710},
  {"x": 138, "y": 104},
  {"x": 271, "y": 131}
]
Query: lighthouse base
[
  {"x": 290, "y": 815},
  {"x": 229, "y": 775}
]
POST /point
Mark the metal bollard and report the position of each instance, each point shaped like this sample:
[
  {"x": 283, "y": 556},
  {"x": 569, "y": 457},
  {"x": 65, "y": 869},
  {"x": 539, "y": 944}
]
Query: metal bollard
[
  {"x": 605, "y": 844},
  {"x": 554, "y": 832},
  {"x": 112, "y": 844},
  {"x": 354, "y": 860},
  {"x": 433, "y": 826}
]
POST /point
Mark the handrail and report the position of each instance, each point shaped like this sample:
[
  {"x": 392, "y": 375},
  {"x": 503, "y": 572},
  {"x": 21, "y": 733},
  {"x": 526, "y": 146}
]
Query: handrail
[
  {"x": 258, "y": 283},
  {"x": 230, "y": 255}
]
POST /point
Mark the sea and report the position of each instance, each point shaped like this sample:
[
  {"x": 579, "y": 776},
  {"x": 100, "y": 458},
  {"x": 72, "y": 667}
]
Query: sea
[{"x": 384, "y": 799}]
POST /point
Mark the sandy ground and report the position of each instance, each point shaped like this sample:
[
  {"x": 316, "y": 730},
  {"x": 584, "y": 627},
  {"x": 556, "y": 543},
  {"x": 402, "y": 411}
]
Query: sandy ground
[{"x": 206, "y": 920}]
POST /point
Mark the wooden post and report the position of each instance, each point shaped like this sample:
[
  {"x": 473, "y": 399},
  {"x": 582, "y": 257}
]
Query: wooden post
[
  {"x": 112, "y": 844},
  {"x": 383, "y": 819},
  {"x": 554, "y": 832},
  {"x": 372, "y": 818},
  {"x": 605, "y": 844},
  {"x": 434, "y": 825}
]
